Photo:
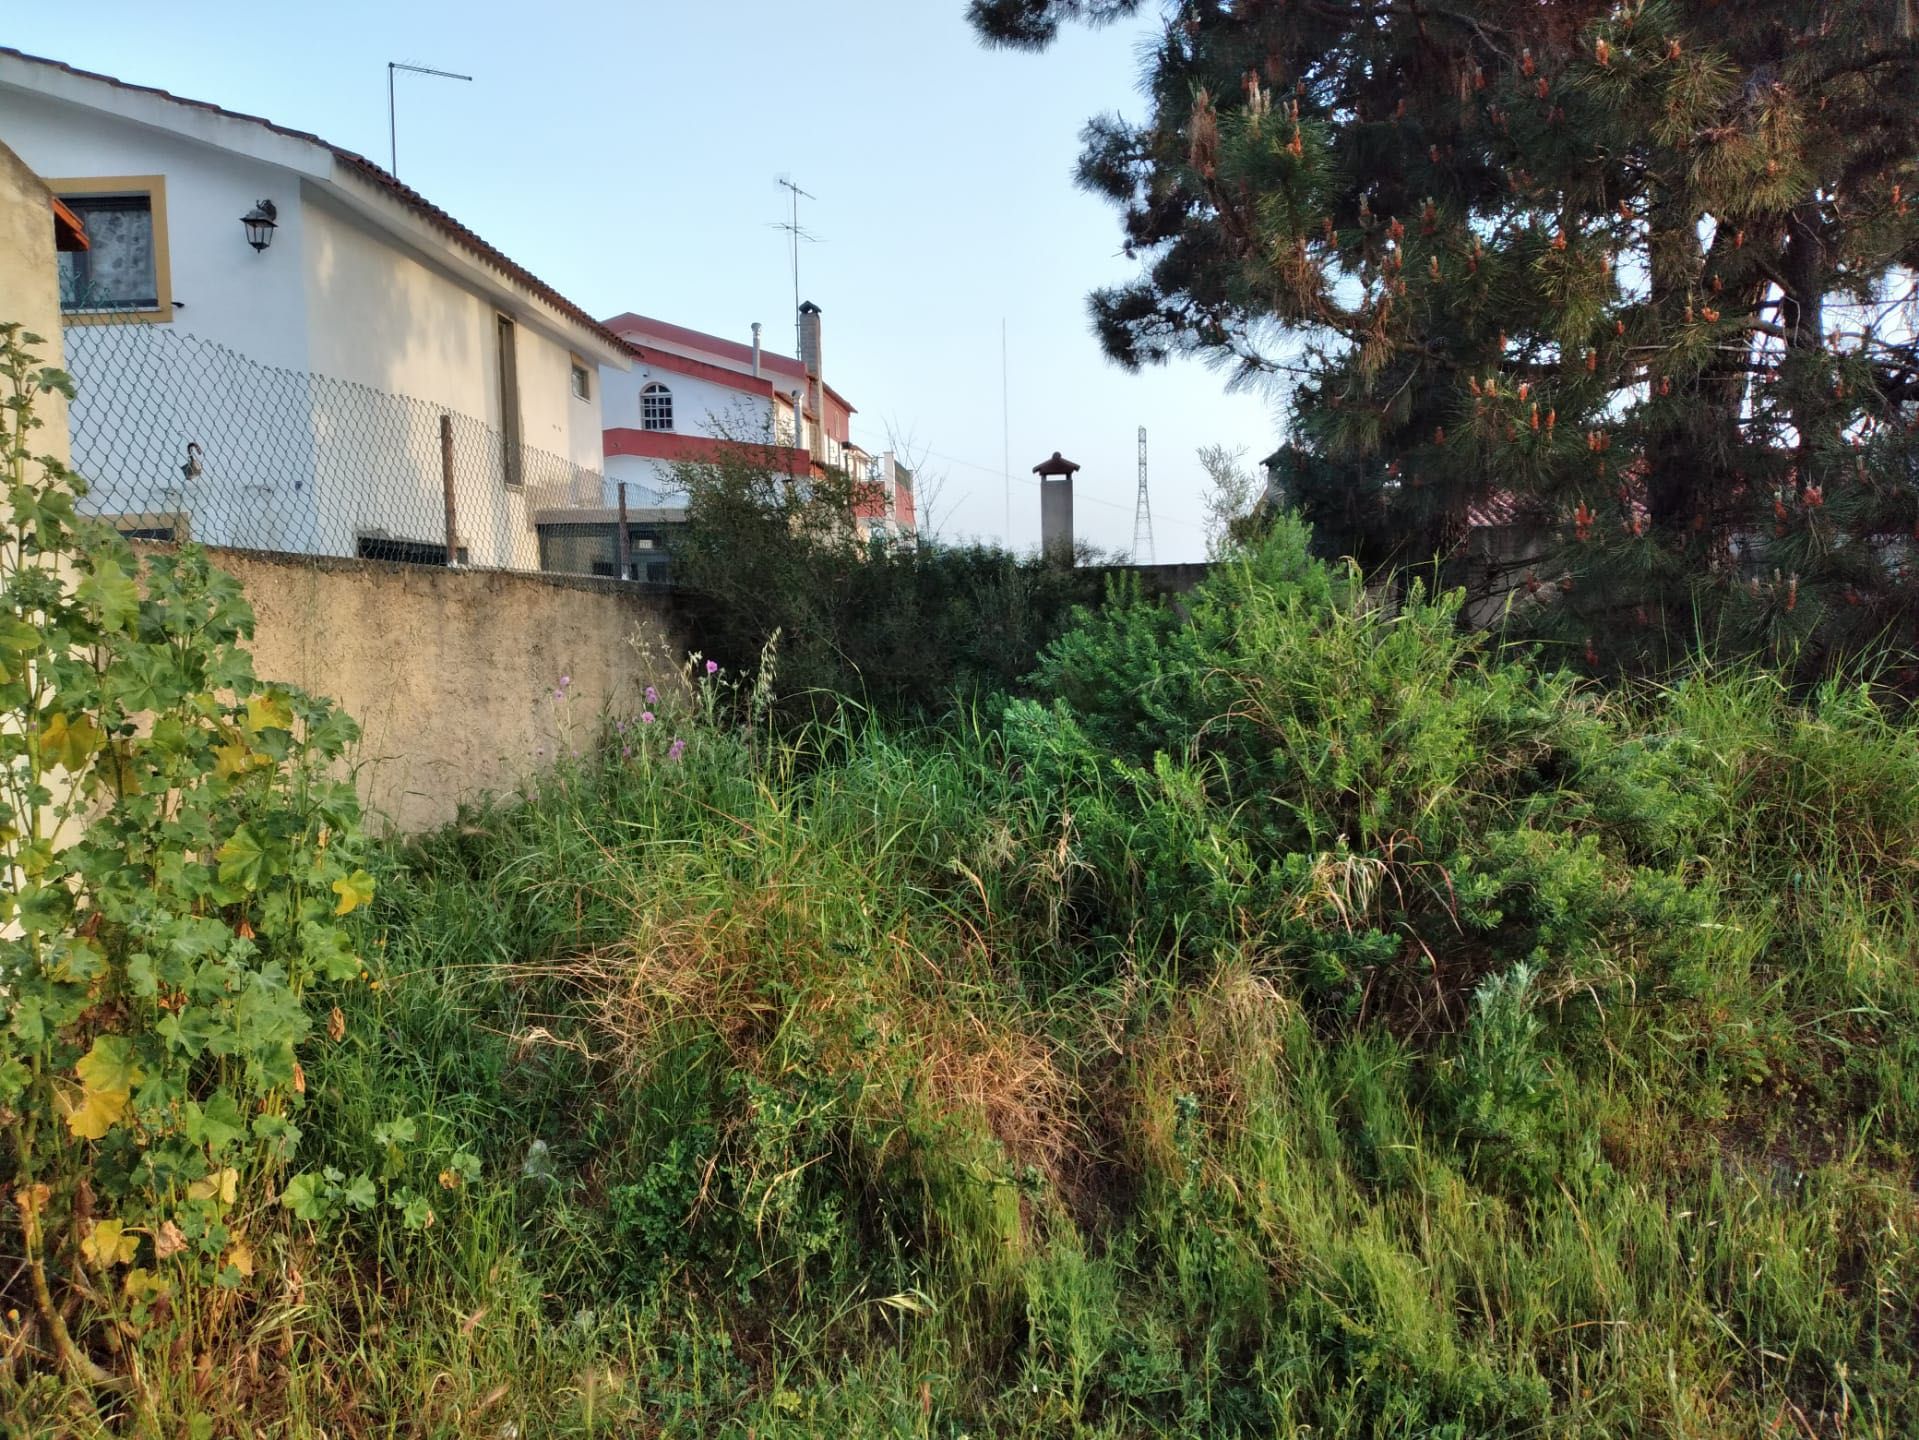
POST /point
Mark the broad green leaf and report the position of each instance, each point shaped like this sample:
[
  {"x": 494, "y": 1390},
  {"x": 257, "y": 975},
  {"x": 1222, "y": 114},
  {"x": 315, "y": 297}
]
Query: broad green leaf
[
  {"x": 216, "y": 1123},
  {"x": 20, "y": 638},
  {"x": 359, "y": 1193},
  {"x": 111, "y": 593},
  {"x": 396, "y": 1132},
  {"x": 354, "y": 891},
  {"x": 243, "y": 860},
  {"x": 305, "y": 1196}
]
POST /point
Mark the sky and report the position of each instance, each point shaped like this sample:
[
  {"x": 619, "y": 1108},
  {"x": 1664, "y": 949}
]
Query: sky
[{"x": 628, "y": 154}]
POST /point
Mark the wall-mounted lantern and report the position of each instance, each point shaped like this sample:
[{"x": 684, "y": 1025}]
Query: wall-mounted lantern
[{"x": 260, "y": 223}]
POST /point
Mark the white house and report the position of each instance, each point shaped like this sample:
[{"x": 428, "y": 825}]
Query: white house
[
  {"x": 308, "y": 361},
  {"x": 689, "y": 394}
]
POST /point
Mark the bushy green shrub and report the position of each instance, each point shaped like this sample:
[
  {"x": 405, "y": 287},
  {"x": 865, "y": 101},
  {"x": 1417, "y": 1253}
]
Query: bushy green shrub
[
  {"x": 1362, "y": 790},
  {"x": 905, "y": 631},
  {"x": 1293, "y": 1018},
  {"x": 181, "y": 846}
]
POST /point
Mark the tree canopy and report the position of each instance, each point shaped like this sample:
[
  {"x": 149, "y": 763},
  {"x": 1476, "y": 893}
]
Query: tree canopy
[{"x": 1634, "y": 278}]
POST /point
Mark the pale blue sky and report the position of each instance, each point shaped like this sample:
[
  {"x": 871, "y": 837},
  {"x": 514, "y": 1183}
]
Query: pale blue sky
[{"x": 626, "y": 153}]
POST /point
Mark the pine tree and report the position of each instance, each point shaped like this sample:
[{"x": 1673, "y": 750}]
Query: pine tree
[{"x": 1639, "y": 273}]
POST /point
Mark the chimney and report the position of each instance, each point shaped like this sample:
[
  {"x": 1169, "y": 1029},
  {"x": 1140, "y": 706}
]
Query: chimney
[
  {"x": 815, "y": 388},
  {"x": 1056, "y": 507},
  {"x": 756, "y": 349}
]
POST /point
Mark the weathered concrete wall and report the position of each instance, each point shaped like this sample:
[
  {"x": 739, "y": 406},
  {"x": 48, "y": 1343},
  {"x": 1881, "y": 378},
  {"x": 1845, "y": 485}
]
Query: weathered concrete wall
[
  {"x": 30, "y": 282},
  {"x": 1174, "y": 579},
  {"x": 452, "y": 673}
]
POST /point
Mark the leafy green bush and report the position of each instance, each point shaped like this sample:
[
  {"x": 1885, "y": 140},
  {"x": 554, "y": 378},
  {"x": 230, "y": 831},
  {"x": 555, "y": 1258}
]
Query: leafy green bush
[
  {"x": 180, "y": 846},
  {"x": 1293, "y": 1018},
  {"x": 905, "y": 631}
]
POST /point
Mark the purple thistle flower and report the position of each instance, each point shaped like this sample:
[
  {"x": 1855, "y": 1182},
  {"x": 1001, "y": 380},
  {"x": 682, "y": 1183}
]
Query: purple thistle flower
[
  {"x": 626, "y": 752},
  {"x": 565, "y": 680},
  {"x": 559, "y": 694},
  {"x": 646, "y": 717},
  {"x": 676, "y": 749},
  {"x": 712, "y": 667},
  {"x": 652, "y": 696}
]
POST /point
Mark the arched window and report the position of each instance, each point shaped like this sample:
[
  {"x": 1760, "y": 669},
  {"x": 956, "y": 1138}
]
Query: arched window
[{"x": 656, "y": 407}]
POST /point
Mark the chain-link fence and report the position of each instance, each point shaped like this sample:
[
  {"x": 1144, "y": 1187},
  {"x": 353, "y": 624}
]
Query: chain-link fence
[{"x": 182, "y": 438}]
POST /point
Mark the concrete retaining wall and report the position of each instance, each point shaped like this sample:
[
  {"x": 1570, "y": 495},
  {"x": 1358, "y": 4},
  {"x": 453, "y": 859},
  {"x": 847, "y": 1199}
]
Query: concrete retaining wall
[{"x": 452, "y": 673}]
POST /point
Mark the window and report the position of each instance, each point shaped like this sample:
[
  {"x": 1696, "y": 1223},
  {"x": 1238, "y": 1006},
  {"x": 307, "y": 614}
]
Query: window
[
  {"x": 509, "y": 402},
  {"x": 582, "y": 382},
  {"x": 656, "y": 407},
  {"x": 123, "y": 271}
]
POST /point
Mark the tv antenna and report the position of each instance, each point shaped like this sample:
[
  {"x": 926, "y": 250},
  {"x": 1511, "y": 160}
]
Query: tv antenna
[
  {"x": 1142, "y": 512},
  {"x": 797, "y": 232},
  {"x": 392, "y": 130}
]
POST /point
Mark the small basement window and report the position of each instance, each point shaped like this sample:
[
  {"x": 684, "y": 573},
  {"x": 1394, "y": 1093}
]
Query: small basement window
[
  {"x": 582, "y": 382},
  {"x": 406, "y": 552}
]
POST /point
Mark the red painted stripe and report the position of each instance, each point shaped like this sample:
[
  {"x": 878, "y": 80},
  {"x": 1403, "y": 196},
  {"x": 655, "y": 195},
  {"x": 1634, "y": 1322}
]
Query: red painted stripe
[{"x": 667, "y": 445}]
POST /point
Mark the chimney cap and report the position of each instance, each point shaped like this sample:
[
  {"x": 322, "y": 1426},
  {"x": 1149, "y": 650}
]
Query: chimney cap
[
  {"x": 1057, "y": 465},
  {"x": 809, "y": 308}
]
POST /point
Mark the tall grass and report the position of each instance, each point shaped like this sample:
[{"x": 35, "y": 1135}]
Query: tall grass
[{"x": 1292, "y": 1019}]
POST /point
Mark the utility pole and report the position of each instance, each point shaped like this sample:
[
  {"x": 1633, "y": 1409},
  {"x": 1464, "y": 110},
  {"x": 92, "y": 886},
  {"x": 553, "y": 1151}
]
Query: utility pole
[
  {"x": 1142, "y": 512},
  {"x": 793, "y": 228},
  {"x": 392, "y": 127},
  {"x": 1005, "y": 437}
]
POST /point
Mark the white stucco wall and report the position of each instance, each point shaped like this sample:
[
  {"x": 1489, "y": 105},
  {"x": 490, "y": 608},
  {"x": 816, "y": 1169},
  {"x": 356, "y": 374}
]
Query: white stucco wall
[
  {"x": 700, "y": 406},
  {"x": 222, "y": 289},
  {"x": 649, "y": 483},
  {"x": 391, "y": 304}
]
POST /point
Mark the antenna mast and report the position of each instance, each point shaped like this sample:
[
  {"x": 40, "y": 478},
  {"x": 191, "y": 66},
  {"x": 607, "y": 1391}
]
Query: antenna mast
[
  {"x": 798, "y": 233},
  {"x": 1142, "y": 513},
  {"x": 1005, "y": 438},
  {"x": 392, "y": 126}
]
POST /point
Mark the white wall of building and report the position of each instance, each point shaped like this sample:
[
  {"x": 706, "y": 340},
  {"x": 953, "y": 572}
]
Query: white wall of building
[
  {"x": 222, "y": 289},
  {"x": 700, "y": 406},
  {"x": 346, "y": 291}
]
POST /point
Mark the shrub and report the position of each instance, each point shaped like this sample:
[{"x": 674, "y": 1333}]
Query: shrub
[{"x": 181, "y": 850}]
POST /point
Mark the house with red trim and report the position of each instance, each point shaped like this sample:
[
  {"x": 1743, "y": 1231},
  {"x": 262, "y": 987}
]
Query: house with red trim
[{"x": 690, "y": 396}]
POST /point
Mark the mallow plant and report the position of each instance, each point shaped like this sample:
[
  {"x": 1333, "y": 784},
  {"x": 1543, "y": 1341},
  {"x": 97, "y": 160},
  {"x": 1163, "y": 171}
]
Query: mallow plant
[{"x": 182, "y": 855}]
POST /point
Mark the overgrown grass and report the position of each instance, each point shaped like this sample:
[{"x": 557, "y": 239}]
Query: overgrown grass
[{"x": 1292, "y": 1019}]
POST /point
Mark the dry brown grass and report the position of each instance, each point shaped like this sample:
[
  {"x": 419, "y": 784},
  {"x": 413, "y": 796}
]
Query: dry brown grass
[{"x": 755, "y": 972}]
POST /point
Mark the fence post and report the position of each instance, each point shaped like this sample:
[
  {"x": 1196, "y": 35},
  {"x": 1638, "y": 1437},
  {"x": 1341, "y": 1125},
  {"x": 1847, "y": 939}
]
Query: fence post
[
  {"x": 446, "y": 485},
  {"x": 625, "y": 544}
]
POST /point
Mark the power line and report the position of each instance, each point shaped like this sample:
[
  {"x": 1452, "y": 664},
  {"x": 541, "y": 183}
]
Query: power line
[{"x": 1079, "y": 497}]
